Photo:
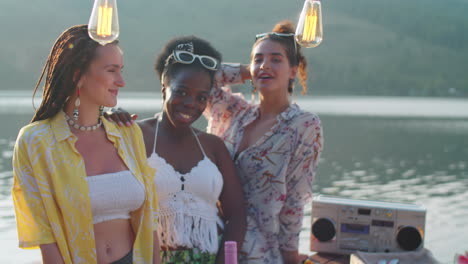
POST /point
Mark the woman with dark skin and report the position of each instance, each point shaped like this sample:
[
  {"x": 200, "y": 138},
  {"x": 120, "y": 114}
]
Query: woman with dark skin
[
  {"x": 275, "y": 145},
  {"x": 194, "y": 168}
]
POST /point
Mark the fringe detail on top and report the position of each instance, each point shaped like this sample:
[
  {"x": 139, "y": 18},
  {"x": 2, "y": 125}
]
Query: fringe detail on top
[{"x": 178, "y": 229}]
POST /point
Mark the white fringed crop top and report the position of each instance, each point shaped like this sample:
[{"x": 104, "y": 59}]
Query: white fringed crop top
[
  {"x": 188, "y": 216},
  {"x": 114, "y": 195}
]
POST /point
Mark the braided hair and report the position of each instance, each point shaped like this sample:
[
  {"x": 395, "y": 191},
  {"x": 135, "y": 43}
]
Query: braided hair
[
  {"x": 292, "y": 49},
  {"x": 69, "y": 59}
]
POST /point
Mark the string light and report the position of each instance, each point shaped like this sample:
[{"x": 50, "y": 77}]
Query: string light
[
  {"x": 103, "y": 24},
  {"x": 309, "y": 30}
]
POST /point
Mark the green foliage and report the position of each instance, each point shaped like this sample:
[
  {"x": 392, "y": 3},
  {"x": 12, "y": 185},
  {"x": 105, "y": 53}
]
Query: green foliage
[
  {"x": 370, "y": 47},
  {"x": 400, "y": 47}
]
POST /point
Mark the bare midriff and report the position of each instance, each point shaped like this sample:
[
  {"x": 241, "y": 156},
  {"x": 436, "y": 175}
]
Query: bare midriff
[{"x": 114, "y": 239}]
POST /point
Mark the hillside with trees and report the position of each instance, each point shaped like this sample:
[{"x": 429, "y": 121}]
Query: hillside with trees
[{"x": 389, "y": 48}]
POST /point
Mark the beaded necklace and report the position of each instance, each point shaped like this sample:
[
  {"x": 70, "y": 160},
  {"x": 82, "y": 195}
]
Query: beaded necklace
[{"x": 75, "y": 124}]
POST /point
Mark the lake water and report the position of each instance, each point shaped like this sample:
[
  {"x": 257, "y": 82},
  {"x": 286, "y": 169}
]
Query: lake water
[{"x": 411, "y": 150}]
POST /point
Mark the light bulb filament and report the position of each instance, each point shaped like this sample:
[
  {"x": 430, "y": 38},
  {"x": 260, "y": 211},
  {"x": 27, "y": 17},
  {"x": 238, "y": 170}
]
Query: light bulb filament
[
  {"x": 310, "y": 25},
  {"x": 104, "y": 26},
  {"x": 309, "y": 31}
]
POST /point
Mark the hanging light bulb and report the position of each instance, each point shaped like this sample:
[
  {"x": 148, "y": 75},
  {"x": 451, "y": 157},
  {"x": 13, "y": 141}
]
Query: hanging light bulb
[
  {"x": 309, "y": 31},
  {"x": 103, "y": 24}
]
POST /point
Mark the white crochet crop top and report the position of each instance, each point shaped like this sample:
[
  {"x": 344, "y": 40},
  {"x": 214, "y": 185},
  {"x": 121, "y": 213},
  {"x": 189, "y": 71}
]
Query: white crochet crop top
[
  {"x": 114, "y": 195},
  {"x": 187, "y": 215}
]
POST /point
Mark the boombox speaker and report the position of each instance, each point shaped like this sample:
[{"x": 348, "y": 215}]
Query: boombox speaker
[{"x": 344, "y": 226}]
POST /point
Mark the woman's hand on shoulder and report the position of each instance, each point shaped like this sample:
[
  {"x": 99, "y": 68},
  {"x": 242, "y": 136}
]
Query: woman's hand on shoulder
[{"x": 120, "y": 116}]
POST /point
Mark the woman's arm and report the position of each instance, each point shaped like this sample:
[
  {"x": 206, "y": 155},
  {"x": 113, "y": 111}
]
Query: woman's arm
[
  {"x": 231, "y": 73},
  {"x": 245, "y": 72},
  {"x": 51, "y": 254},
  {"x": 232, "y": 201},
  {"x": 223, "y": 105},
  {"x": 32, "y": 220},
  {"x": 299, "y": 178}
]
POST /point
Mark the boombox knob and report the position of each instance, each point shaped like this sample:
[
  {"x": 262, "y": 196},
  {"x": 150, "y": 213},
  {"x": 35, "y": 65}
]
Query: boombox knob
[
  {"x": 324, "y": 229},
  {"x": 409, "y": 238}
]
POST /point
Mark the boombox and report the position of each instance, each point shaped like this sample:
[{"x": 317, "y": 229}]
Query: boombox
[{"x": 344, "y": 226}]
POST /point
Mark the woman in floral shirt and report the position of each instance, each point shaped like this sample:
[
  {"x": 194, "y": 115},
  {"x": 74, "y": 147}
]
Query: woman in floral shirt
[{"x": 275, "y": 145}]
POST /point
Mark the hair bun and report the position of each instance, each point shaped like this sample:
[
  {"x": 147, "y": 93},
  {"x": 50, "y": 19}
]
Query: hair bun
[{"x": 284, "y": 26}]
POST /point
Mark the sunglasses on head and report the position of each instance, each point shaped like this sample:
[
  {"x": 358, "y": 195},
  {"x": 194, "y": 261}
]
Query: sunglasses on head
[
  {"x": 282, "y": 35},
  {"x": 186, "y": 57}
]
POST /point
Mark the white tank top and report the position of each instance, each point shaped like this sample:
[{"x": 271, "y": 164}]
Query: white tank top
[
  {"x": 114, "y": 195},
  {"x": 188, "y": 215}
]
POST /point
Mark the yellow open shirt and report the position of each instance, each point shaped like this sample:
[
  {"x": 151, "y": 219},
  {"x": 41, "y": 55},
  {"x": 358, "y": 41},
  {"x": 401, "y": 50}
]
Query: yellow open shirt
[{"x": 51, "y": 196}]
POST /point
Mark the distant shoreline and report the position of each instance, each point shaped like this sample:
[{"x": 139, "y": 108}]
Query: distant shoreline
[{"x": 379, "y": 106}]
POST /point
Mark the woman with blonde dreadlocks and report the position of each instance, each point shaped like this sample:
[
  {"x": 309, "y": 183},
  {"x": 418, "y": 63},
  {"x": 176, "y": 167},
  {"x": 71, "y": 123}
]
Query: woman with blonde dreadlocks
[{"x": 83, "y": 191}]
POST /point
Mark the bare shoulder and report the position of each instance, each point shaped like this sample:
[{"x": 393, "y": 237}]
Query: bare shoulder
[
  {"x": 147, "y": 125},
  {"x": 211, "y": 143},
  {"x": 208, "y": 138}
]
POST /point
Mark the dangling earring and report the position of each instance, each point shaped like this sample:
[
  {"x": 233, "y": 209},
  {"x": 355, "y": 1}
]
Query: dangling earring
[
  {"x": 77, "y": 104},
  {"x": 163, "y": 91},
  {"x": 101, "y": 110},
  {"x": 254, "y": 91},
  {"x": 291, "y": 86}
]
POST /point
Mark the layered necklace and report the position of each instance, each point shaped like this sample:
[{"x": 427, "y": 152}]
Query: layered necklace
[{"x": 75, "y": 124}]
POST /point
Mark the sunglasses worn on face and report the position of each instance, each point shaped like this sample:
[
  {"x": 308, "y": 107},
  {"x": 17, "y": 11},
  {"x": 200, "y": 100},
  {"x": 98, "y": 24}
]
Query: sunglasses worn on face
[{"x": 185, "y": 57}]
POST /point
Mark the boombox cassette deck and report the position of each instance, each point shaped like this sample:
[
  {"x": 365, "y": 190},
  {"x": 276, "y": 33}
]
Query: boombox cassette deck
[{"x": 344, "y": 226}]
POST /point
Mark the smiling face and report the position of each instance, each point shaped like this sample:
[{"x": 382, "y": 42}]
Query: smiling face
[
  {"x": 100, "y": 84},
  {"x": 186, "y": 95},
  {"x": 270, "y": 68}
]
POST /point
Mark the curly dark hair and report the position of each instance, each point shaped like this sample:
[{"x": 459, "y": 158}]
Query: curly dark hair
[
  {"x": 70, "y": 57},
  {"x": 200, "y": 47},
  {"x": 293, "y": 51}
]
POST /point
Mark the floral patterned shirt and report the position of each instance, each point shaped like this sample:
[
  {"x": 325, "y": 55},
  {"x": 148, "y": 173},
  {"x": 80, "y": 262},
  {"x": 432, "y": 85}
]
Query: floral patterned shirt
[{"x": 276, "y": 172}]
